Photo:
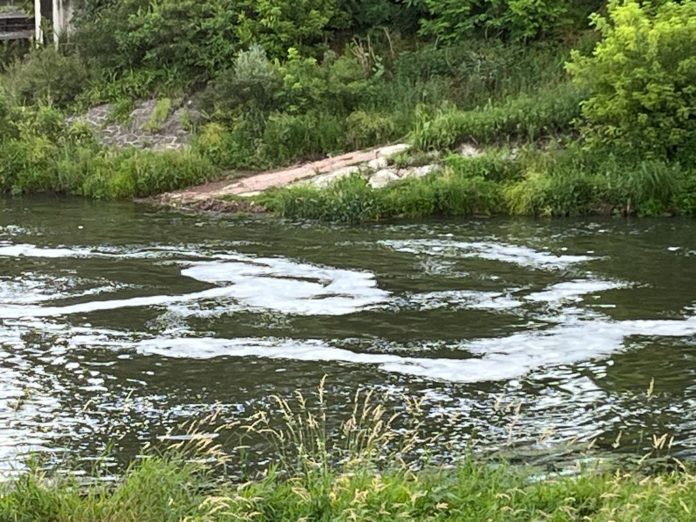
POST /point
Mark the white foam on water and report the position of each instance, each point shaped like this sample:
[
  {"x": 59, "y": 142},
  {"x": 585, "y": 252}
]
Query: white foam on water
[
  {"x": 21, "y": 311},
  {"x": 493, "y": 251},
  {"x": 268, "y": 283},
  {"x": 294, "y": 288},
  {"x": 462, "y": 299},
  {"x": 573, "y": 290},
  {"x": 494, "y": 359},
  {"x": 24, "y": 250}
]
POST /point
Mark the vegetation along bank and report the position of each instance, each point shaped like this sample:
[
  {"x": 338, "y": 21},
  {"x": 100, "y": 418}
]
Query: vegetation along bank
[
  {"x": 512, "y": 107},
  {"x": 369, "y": 467}
]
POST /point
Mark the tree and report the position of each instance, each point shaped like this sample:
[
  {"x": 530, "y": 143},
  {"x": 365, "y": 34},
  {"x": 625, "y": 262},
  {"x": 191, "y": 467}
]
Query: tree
[{"x": 641, "y": 79}]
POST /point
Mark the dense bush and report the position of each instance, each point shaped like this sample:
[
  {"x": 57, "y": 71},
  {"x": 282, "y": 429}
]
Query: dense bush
[
  {"x": 642, "y": 79},
  {"x": 178, "y": 41},
  {"x": 554, "y": 182},
  {"x": 513, "y": 19},
  {"x": 253, "y": 83},
  {"x": 47, "y": 75},
  {"x": 577, "y": 182},
  {"x": 279, "y": 25}
]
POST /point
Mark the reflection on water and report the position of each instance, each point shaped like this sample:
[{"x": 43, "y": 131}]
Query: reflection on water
[{"x": 118, "y": 322}]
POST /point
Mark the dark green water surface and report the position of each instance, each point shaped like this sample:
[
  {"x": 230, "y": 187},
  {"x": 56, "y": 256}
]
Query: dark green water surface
[{"x": 118, "y": 322}]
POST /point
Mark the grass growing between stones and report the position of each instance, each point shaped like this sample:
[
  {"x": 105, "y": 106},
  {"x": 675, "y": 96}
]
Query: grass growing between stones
[
  {"x": 370, "y": 467},
  {"x": 528, "y": 182}
]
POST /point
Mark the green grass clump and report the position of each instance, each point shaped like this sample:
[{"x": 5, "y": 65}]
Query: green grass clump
[
  {"x": 573, "y": 182},
  {"x": 160, "y": 113},
  {"x": 523, "y": 118},
  {"x": 39, "y": 166},
  {"x": 349, "y": 200}
]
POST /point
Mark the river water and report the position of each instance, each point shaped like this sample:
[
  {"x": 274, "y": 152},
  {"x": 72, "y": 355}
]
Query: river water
[{"x": 118, "y": 322}]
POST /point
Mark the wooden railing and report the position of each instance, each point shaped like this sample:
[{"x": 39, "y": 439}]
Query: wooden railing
[{"x": 15, "y": 24}]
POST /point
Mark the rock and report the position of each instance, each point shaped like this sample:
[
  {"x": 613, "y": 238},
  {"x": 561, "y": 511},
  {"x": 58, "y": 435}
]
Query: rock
[
  {"x": 324, "y": 180},
  {"x": 392, "y": 150},
  {"x": 382, "y": 178},
  {"x": 419, "y": 172},
  {"x": 378, "y": 163},
  {"x": 469, "y": 151}
]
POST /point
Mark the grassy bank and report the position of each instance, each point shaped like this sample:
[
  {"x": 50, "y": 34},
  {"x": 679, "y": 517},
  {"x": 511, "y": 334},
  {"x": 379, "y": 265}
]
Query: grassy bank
[
  {"x": 162, "y": 489},
  {"x": 525, "y": 182},
  {"x": 375, "y": 465}
]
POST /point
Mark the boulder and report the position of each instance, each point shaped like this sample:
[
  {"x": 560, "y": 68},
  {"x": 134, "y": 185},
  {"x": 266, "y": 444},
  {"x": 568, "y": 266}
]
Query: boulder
[
  {"x": 324, "y": 180},
  {"x": 392, "y": 150},
  {"x": 382, "y": 178},
  {"x": 378, "y": 163},
  {"x": 419, "y": 172}
]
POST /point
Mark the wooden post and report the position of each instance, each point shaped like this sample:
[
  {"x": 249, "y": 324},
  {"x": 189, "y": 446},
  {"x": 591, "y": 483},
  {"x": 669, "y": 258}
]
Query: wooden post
[
  {"x": 38, "y": 33},
  {"x": 57, "y": 21}
]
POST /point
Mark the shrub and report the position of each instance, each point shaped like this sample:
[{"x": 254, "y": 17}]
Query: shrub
[
  {"x": 278, "y": 25},
  {"x": 448, "y": 194},
  {"x": 498, "y": 166},
  {"x": 252, "y": 84},
  {"x": 349, "y": 200},
  {"x": 184, "y": 41},
  {"x": 48, "y": 75},
  {"x": 289, "y": 137},
  {"x": 365, "y": 129},
  {"x": 575, "y": 182},
  {"x": 641, "y": 78}
]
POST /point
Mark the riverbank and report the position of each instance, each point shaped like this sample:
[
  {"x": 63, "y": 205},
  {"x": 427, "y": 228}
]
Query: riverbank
[
  {"x": 403, "y": 182},
  {"x": 160, "y": 489},
  {"x": 589, "y": 125}
]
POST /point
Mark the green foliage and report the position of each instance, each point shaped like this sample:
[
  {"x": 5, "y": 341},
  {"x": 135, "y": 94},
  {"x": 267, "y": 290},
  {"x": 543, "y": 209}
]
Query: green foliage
[
  {"x": 42, "y": 153},
  {"x": 279, "y": 25},
  {"x": 11, "y": 51},
  {"x": 525, "y": 117},
  {"x": 349, "y": 200},
  {"x": 47, "y": 75},
  {"x": 514, "y": 19},
  {"x": 153, "y": 490},
  {"x": 169, "y": 490},
  {"x": 459, "y": 191},
  {"x": 574, "y": 182},
  {"x": 252, "y": 84},
  {"x": 364, "y": 129},
  {"x": 160, "y": 113},
  {"x": 642, "y": 80},
  {"x": 179, "y": 41},
  {"x": 555, "y": 182},
  {"x": 289, "y": 137}
]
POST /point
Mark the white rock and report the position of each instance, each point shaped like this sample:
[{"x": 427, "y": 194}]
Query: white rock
[
  {"x": 324, "y": 180},
  {"x": 392, "y": 150},
  {"x": 469, "y": 151},
  {"x": 382, "y": 178},
  {"x": 378, "y": 163},
  {"x": 419, "y": 172}
]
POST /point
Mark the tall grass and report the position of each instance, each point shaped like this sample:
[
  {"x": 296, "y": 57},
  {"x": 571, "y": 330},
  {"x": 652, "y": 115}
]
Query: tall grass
[
  {"x": 526, "y": 118},
  {"x": 362, "y": 470}
]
